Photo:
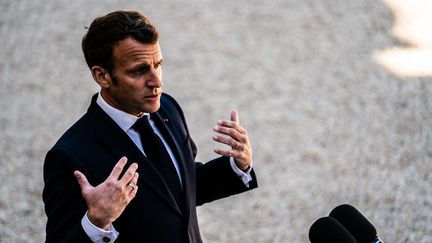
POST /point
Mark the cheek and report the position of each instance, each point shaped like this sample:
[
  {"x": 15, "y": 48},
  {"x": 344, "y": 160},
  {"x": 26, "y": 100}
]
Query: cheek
[{"x": 134, "y": 87}]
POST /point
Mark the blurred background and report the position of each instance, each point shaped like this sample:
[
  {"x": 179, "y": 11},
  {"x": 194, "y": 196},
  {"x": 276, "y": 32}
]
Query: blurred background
[{"x": 335, "y": 94}]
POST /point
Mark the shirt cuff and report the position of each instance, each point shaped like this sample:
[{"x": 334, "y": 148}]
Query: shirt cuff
[
  {"x": 245, "y": 176},
  {"x": 96, "y": 234}
]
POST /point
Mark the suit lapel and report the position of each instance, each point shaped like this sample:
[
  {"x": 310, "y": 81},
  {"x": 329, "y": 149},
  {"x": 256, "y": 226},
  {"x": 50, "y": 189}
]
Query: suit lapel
[
  {"x": 172, "y": 140},
  {"x": 168, "y": 130},
  {"x": 119, "y": 143}
]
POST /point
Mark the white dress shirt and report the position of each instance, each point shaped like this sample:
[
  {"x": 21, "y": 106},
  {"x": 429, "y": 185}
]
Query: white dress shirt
[{"x": 125, "y": 121}]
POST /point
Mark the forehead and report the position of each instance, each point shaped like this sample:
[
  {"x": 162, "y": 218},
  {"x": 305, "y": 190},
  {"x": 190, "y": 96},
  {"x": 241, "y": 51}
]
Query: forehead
[{"x": 130, "y": 51}]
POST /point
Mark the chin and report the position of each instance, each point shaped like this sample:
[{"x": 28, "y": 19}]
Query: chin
[{"x": 152, "y": 109}]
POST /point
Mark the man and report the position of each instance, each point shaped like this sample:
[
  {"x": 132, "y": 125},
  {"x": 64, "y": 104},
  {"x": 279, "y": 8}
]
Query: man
[{"x": 125, "y": 171}]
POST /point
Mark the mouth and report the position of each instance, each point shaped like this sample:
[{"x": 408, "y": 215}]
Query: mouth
[{"x": 153, "y": 97}]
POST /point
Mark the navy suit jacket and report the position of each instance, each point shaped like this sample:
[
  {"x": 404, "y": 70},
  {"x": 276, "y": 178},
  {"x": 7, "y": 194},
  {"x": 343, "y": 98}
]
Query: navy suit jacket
[{"x": 95, "y": 143}]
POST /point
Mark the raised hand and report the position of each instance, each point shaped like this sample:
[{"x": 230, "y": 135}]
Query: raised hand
[
  {"x": 107, "y": 201},
  {"x": 237, "y": 138}
]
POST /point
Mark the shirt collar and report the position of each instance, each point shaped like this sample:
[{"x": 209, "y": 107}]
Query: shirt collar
[{"x": 123, "y": 119}]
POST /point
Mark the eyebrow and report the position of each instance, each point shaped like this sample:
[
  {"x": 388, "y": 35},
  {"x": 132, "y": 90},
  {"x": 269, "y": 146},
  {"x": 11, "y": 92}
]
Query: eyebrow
[
  {"x": 138, "y": 67},
  {"x": 143, "y": 66},
  {"x": 160, "y": 62}
]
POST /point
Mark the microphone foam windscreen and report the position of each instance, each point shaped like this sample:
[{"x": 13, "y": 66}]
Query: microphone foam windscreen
[
  {"x": 329, "y": 230},
  {"x": 355, "y": 223}
]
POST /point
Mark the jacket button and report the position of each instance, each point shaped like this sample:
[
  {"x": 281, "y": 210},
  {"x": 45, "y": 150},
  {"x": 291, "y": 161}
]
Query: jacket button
[{"x": 106, "y": 239}]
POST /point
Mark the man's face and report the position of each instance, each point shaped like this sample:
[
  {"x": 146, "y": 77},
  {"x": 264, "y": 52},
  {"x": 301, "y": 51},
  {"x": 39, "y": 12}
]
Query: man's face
[{"x": 136, "y": 81}]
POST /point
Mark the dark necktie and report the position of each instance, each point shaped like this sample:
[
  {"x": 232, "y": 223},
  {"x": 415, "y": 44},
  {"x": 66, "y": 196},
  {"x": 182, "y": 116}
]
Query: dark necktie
[{"x": 158, "y": 155}]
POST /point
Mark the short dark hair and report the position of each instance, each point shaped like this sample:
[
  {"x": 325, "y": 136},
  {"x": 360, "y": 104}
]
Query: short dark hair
[{"x": 105, "y": 31}]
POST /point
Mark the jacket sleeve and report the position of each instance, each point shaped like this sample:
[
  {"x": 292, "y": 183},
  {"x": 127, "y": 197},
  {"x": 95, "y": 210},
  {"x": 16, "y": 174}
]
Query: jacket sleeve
[
  {"x": 216, "y": 179},
  {"x": 64, "y": 204}
]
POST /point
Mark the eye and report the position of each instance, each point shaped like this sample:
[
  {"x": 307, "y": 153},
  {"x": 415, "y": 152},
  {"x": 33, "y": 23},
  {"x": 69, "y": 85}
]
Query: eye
[
  {"x": 141, "y": 70},
  {"x": 158, "y": 65}
]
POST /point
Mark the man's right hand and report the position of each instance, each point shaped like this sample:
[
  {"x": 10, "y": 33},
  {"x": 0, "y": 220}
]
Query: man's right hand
[{"x": 107, "y": 201}]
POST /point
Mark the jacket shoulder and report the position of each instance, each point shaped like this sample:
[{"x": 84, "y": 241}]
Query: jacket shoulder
[
  {"x": 171, "y": 108},
  {"x": 74, "y": 136},
  {"x": 167, "y": 101}
]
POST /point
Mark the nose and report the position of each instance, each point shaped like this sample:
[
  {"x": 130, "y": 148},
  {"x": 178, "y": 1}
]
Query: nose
[{"x": 155, "y": 78}]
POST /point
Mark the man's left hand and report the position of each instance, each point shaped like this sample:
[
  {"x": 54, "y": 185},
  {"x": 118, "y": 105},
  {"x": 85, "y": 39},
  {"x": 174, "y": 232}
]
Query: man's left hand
[{"x": 237, "y": 138}]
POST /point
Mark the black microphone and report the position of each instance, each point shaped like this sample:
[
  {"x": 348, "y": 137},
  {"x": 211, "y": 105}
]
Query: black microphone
[
  {"x": 329, "y": 230},
  {"x": 355, "y": 223}
]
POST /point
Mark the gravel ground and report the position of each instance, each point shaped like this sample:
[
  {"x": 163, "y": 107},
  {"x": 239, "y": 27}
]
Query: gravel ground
[{"x": 327, "y": 123}]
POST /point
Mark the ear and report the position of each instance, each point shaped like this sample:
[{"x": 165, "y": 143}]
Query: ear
[{"x": 101, "y": 76}]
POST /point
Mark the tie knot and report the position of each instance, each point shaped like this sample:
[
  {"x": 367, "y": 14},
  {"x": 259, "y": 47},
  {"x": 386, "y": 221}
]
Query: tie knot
[{"x": 143, "y": 125}]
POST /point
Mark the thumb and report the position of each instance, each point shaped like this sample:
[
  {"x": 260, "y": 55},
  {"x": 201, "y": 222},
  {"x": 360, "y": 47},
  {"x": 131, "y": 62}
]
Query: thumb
[
  {"x": 82, "y": 181},
  {"x": 235, "y": 116}
]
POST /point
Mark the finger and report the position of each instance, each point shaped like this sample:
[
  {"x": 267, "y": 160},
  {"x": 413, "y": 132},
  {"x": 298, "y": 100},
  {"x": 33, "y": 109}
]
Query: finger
[
  {"x": 118, "y": 168},
  {"x": 82, "y": 181},
  {"x": 134, "y": 181},
  {"x": 129, "y": 174},
  {"x": 231, "y": 132},
  {"x": 227, "y": 153},
  {"x": 235, "y": 116},
  {"x": 135, "y": 178},
  {"x": 228, "y": 141},
  {"x": 131, "y": 187},
  {"x": 133, "y": 184},
  {"x": 231, "y": 124},
  {"x": 133, "y": 193}
]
